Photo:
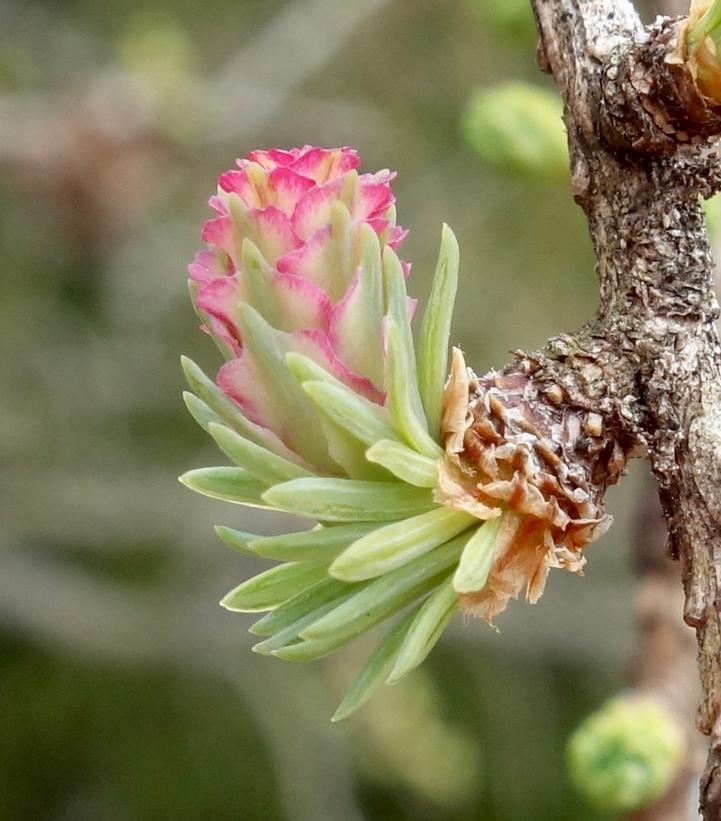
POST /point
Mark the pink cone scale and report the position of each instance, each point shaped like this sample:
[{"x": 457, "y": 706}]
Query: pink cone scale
[{"x": 288, "y": 241}]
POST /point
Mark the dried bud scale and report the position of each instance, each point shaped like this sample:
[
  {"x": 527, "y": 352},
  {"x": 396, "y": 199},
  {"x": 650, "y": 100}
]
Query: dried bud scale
[{"x": 512, "y": 450}]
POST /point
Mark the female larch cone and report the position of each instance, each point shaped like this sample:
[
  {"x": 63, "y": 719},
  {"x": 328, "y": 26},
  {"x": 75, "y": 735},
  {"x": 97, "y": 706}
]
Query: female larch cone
[{"x": 423, "y": 500}]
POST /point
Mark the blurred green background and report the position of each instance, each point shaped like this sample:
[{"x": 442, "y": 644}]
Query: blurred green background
[{"x": 127, "y": 693}]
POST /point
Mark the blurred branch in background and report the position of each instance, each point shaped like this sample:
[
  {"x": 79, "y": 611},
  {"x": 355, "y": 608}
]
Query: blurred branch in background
[
  {"x": 103, "y": 144},
  {"x": 73, "y": 611},
  {"x": 254, "y": 85},
  {"x": 664, "y": 665},
  {"x": 251, "y": 89}
]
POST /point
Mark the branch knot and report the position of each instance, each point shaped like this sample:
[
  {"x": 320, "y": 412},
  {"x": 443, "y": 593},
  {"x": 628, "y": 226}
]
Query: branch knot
[{"x": 649, "y": 99}]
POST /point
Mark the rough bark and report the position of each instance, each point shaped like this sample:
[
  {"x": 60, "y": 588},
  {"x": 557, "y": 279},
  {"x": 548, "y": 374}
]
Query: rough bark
[{"x": 649, "y": 362}]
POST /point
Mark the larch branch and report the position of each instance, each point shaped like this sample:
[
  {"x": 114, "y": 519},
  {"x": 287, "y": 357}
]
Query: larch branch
[{"x": 641, "y": 147}]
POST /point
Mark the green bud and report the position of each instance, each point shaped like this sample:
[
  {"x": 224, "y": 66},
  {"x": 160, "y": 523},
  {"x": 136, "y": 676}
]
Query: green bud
[
  {"x": 712, "y": 212},
  {"x": 509, "y": 19},
  {"x": 517, "y": 128},
  {"x": 625, "y": 755}
]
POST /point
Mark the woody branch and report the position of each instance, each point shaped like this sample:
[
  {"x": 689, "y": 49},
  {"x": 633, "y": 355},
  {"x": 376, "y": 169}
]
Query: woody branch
[{"x": 640, "y": 135}]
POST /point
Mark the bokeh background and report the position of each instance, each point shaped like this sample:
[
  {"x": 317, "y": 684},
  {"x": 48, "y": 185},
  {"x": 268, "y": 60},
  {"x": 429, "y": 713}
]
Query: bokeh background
[{"x": 126, "y": 693}]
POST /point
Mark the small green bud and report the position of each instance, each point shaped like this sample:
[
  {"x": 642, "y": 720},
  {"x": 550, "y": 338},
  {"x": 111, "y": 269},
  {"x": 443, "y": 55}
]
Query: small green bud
[
  {"x": 712, "y": 212},
  {"x": 157, "y": 47},
  {"x": 625, "y": 755},
  {"x": 517, "y": 128},
  {"x": 509, "y": 19}
]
